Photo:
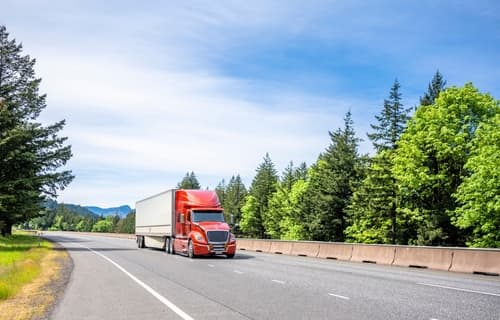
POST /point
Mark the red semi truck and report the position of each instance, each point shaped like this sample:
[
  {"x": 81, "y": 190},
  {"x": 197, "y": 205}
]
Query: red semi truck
[{"x": 189, "y": 222}]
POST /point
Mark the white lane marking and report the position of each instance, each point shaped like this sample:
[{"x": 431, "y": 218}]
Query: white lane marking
[
  {"x": 155, "y": 294},
  {"x": 433, "y": 319},
  {"x": 238, "y": 272},
  {"x": 459, "y": 289},
  {"x": 211, "y": 266},
  {"x": 278, "y": 281},
  {"x": 339, "y": 296}
]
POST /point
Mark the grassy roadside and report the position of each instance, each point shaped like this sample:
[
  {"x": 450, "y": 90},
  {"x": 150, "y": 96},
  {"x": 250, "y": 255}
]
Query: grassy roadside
[{"x": 29, "y": 270}]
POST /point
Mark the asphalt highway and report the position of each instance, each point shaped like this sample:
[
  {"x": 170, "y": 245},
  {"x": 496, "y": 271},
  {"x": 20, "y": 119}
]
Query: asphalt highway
[{"x": 113, "y": 279}]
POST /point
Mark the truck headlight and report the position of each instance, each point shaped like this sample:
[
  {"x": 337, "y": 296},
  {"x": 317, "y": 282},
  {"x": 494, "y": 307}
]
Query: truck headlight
[{"x": 198, "y": 237}]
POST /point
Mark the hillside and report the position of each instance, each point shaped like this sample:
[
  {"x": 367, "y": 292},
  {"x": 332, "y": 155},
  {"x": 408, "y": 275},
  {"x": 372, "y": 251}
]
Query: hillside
[{"x": 121, "y": 211}]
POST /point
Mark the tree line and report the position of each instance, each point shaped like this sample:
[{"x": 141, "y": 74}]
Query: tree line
[
  {"x": 433, "y": 179},
  {"x": 62, "y": 217}
]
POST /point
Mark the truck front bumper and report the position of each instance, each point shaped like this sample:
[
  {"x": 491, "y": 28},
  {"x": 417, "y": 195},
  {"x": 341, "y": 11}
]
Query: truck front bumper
[{"x": 214, "y": 249}]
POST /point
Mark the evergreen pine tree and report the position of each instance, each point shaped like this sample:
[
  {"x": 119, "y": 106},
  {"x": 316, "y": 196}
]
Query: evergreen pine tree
[
  {"x": 30, "y": 153},
  {"x": 189, "y": 182},
  {"x": 374, "y": 204},
  {"x": 391, "y": 121},
  {"x": 234, "y": 198},
  {"x": 332, "y": 181},
  {"x": 435, "y": 87}
]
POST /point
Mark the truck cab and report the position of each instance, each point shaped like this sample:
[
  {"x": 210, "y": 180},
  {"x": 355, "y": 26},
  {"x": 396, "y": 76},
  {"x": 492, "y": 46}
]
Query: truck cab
[{"x": 200, "y": 227}]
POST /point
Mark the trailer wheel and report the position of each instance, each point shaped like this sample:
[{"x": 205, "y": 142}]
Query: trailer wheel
[
  {"x": 190, "y": 249},
  {"x": 140, "y": 242},
  {"x": 167, "y": 245}
]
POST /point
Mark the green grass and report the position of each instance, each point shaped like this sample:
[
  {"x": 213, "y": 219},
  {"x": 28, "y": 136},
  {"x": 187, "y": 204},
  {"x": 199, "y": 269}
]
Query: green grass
[{"x": 20, "y": 257}]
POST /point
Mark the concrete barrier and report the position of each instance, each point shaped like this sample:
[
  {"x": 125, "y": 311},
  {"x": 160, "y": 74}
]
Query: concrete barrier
[
  {"x": 244, "y": 244},
  {"x": 381, "y": 254},
  {"x": 339, "y": 251},
  {"x": 308, "y": 249},
  {"x": 281, "y": 247},
  {"x": 476, "y": 261},
  {"x": 419, "y": 257},
  {"x": 261, "y": 245}
]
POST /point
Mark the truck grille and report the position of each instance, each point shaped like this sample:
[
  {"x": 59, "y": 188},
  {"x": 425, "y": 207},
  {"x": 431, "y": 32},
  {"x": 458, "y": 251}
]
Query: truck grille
[{"x": 217, "y": 236}]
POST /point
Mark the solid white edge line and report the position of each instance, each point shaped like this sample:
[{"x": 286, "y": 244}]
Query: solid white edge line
[
  {"x": 155, "y": 294},
  {"x": 459, "y": 289},
  {"x": 278, "y": 281},
  {"x": 339, "y": 296}
]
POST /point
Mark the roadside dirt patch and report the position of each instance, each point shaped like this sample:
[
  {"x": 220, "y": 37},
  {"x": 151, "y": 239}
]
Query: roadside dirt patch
[{"x": 37, "y": 299}]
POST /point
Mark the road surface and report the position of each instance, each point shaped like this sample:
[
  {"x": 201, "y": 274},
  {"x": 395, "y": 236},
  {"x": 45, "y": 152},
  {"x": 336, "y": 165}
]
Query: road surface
[{"x": 112, "y": 279}]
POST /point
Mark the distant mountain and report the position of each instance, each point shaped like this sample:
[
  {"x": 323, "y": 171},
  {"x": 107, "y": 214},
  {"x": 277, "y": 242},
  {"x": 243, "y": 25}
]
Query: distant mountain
[
  {"x": 83, "y": 211},
  {"x": 122, "y": 211}
]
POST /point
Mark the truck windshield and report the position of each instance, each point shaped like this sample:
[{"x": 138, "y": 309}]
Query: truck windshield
[{"x": 199, "y": 216}]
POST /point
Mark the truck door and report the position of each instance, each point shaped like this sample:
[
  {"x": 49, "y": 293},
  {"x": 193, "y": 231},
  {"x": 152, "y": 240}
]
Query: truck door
[{"x": 187, "y": 224}]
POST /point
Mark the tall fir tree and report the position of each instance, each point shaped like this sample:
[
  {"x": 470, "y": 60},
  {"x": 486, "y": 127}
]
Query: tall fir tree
[
  {"x": 256, "y": 204},
  {"x": 31, "y": 154},
  {"x": 373, "y": 209},
  {"x": 189, "y": 182},
  {"x": 435, "y": 87},
  {"x": 235, "y": 196},
  {"x": 391, "y": 121},
  {"x": 331, "y": 184},
  {"x": 221, "y": 192}
]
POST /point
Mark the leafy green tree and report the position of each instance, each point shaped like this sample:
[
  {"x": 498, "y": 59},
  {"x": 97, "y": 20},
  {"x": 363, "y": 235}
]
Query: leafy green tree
[
  {"x": 332, "y": 181},
  {"x": 127, "y": 224},
  {"x": 280, "y": 203},
  {"x": 250, "y": 223},
  {"x": 373, "y": 207},
  {"x": 30, "y": 153},
  {"x": 479, "y": 193},
  {"x": 189, "y": 182},
  {"x": 105, "y": 225},
  {"x": 435, "y": 87},
  {"x": 284, "y": 218},
  {"x": 263, "y": 186},
  {"x": 429, "y": 163}
]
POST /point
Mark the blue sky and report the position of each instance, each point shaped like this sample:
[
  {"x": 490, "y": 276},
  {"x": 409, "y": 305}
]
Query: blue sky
[{"x": 153, "y": 89}]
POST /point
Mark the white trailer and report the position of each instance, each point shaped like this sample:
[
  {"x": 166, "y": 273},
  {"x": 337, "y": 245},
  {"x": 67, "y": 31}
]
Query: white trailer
[{"x": 155, "y": 220}]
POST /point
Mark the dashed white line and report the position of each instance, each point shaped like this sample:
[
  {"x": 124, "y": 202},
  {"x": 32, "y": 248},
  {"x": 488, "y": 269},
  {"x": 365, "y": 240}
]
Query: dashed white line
[
  {"x": 238, "y": 272},
  {"x": 278, "y": 281},
  {"x": 339, "y": 296},
  {"x": 459, "y": 289},
  {"x": 155, "y": 294},
  {"x": 211, "y": 266}
]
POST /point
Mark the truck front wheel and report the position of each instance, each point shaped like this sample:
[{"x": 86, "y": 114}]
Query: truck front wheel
[
  {"x": 190, "y": 249},
  {"x": 230, "y": 256},
  {"x": 168, "y": 245}
]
